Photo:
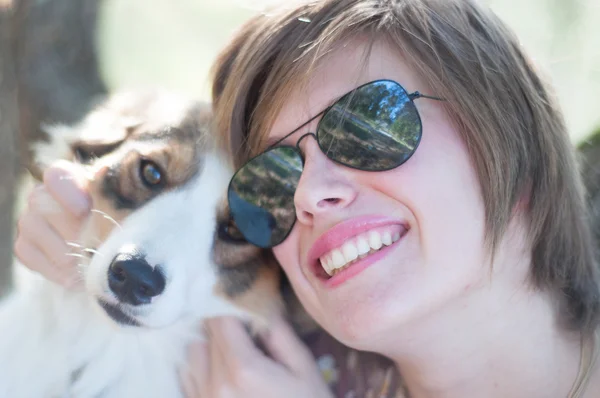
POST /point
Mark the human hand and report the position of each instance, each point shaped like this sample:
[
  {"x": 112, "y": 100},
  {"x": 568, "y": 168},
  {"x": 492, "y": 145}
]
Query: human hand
[
  {"x": 55, "y": 215},
  {"x": 229, "y": 365}
]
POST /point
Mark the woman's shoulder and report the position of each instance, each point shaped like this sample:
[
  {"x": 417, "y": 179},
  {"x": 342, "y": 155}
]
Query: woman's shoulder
[{"x": 354, "y": 374}]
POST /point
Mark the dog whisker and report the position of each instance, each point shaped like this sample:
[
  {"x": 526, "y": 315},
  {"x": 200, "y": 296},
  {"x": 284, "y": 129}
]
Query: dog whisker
[
  {"x": 92, "y": 251},
  {"x": 75, "y": 255},
  {"x": 73, "y": 244},
  {"x": 106, "y": 216}
]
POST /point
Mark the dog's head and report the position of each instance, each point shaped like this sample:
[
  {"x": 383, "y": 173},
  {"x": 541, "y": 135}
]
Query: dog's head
[{"x": 161, "y": 244}]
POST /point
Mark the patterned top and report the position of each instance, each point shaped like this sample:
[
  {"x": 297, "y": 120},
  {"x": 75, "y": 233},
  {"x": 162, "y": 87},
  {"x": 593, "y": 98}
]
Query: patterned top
[{"x": 354, "y": 374}]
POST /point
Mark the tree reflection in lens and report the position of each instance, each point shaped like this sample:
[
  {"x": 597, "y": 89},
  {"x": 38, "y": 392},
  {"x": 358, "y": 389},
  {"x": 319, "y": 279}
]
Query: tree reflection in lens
[
  {"x": 261, "y": 195},
  {"x": 376, "y": 127}
]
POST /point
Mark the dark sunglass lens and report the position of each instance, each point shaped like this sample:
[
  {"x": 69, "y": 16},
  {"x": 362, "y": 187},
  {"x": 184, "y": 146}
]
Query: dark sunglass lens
[
  {"x": 261, "y": 196},
  {"x": 375, "y": 127}
]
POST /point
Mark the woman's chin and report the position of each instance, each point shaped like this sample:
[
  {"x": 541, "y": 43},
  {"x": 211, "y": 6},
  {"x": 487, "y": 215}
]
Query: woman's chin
[
  {"x": 365, "y": 326},
  {"x": 373, "y": 323}
]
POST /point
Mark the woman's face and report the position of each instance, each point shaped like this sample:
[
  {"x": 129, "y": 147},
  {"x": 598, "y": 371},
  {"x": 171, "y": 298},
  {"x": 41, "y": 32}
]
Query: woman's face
[{"x": 432, "y": 202}]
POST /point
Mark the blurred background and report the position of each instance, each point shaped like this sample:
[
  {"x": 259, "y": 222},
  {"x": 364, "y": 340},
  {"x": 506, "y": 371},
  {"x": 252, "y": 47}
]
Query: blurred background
[
  {"x": 56, "y": 56},
  {"x": 173, "y": 42}
]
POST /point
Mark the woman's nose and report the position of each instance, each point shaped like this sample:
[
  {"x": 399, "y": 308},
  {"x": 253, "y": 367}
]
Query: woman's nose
[{"x": 324, "y": 186}]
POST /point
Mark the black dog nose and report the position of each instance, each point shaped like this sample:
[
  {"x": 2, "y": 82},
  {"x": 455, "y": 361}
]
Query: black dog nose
[{"x": 133, "y": 280}]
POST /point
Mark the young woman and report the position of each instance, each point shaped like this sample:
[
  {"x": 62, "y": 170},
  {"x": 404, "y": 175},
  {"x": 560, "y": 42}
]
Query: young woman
[{"x": 424, "y": 197}]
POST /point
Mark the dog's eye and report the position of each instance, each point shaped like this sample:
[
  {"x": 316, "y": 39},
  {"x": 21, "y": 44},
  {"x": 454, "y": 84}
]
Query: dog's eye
[
  {"x": 151, "y": 174},
  {"x": 83, "y": 156},
  {"x": 229, "y": 232}
]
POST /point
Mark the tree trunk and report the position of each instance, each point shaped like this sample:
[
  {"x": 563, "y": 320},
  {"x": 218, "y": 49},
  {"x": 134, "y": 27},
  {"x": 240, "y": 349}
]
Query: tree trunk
[
  {"x": 57, "y": 68},
  {"x": 48, "y": 57},
  {"x": 8, "y": 147}
]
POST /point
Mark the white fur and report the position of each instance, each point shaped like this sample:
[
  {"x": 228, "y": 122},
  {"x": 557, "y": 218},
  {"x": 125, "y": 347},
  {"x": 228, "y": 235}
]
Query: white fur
[{"x": 49, "y": 333}]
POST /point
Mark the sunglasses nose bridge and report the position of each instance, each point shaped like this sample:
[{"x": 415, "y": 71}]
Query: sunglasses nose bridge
[{"x": 303, "y": 137}]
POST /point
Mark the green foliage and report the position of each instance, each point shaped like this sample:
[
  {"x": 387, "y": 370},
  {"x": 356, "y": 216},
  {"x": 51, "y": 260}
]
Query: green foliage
[{"x": 592, "y": 141}]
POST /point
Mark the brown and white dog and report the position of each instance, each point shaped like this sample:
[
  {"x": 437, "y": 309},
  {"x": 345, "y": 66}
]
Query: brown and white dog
[{"x": 158, "y": 256}]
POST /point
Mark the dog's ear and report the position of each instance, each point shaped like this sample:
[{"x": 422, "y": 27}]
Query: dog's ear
[{"x": 96, "y": 136}]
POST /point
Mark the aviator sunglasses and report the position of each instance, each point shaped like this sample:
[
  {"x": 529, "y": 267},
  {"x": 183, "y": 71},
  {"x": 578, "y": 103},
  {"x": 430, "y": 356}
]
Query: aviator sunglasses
[{"x": 374, "y": 127}]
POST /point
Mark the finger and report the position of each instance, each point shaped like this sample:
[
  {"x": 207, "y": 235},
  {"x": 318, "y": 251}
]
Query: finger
[
  {"x": 284, "y": 346},
  {"x": 188, "y": 386},
  {"x": 65, "y": 223},
  {"x": 68, "y": 184},
  {"x": 34, "y": 259},
  {"x": 195, "y": 381},
  {"x": 35, "y": 229},
  {"x": 40, "y": 201},
  {"x": 67, "y": 227},
  {"x": 220, "y": 371},
  {"x": 235, "y": 359},
  {"x": 232, "y": 339}
]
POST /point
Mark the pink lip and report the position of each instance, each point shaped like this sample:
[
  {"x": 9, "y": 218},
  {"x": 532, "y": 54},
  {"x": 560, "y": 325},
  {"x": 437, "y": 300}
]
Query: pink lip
[{"x": 343, "y": 231}]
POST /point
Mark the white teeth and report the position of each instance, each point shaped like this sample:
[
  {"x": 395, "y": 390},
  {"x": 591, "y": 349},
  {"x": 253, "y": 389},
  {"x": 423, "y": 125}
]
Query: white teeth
[
  {"x": 327, "y": 264},
  {"x": 350, "y": 252},
  {"x": 375, "y": 240},
  {"x": 357, "y": 248},
  {"x": 337, "y": 258},
  {"x": 363, "y": 246},
  {"x": 324, "y": 264},
  {"x": 386, "y": 238}
]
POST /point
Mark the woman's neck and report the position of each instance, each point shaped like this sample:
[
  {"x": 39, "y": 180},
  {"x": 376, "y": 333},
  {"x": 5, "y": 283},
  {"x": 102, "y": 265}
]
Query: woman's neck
[{"x": 491, "y": 345}]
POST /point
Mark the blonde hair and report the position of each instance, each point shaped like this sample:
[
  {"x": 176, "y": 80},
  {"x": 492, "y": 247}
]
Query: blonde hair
[{"x": 506, "y": 114}]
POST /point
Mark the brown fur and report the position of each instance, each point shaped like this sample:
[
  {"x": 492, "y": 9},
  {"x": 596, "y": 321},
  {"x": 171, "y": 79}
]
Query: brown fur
[{"x": 253, "y": 280}]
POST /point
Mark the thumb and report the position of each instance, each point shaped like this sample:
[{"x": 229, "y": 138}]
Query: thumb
[
  {"x": 284, "y": 346},
  {"x": 196, "y": 376},
  {"x": 68, "y": 184}
]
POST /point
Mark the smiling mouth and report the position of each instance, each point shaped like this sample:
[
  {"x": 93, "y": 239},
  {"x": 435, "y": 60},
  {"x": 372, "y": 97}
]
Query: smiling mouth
[
  {"x": 117, "y": 315},
  {"x": 357, "y": 248}
]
